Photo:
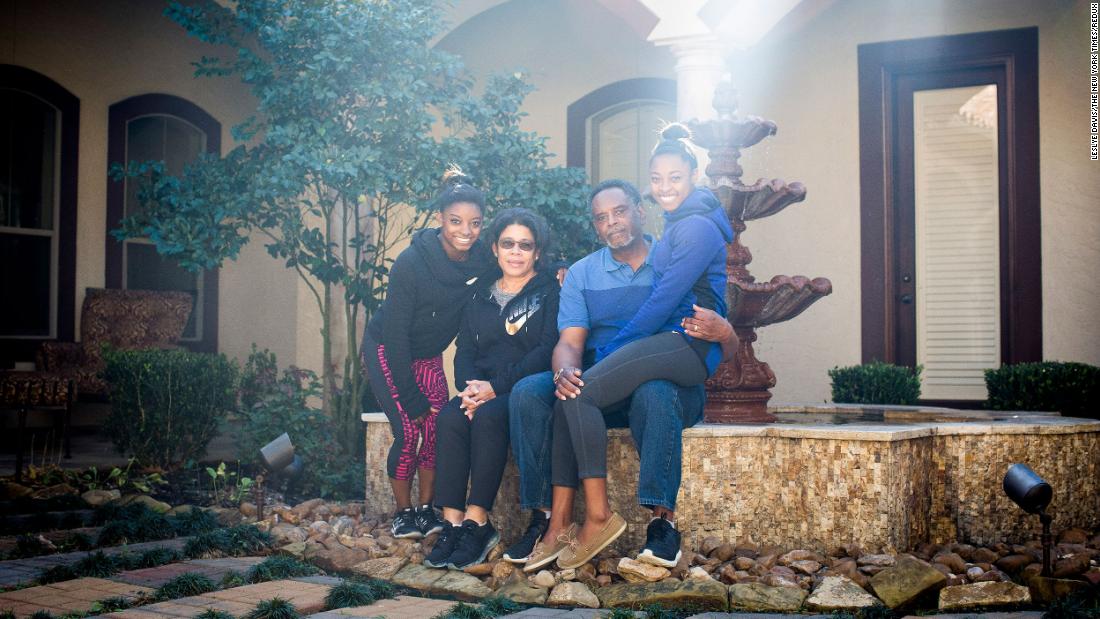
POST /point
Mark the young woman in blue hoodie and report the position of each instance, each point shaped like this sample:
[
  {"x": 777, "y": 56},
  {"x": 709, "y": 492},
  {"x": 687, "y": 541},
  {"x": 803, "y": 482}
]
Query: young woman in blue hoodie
[
  {"x": 430, "y": 283},
  {"x": 689, "y": 263}
]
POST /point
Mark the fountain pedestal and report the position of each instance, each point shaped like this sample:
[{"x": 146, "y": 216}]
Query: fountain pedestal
[{"x": 740, "y": 389}]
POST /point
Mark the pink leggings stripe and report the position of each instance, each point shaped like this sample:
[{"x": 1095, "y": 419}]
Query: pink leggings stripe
[{"x": 413, "y": 452}]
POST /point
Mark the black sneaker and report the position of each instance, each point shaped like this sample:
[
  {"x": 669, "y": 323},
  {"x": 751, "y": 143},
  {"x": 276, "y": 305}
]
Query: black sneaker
[
  {"x": 662, "y": 544},
  {"x": 476, "y": 542},
  {"x": 519, "y": 551},
  {"x": 404, "y": 524},
  {"x": 445, "y": 546},
  {"x": 428, "y": 521}
]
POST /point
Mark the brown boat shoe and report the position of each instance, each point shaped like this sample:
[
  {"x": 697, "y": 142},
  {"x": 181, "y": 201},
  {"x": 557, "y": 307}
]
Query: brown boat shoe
[
  {"x": 577, "y": 554},
  {"x": 545, "y": 552}
]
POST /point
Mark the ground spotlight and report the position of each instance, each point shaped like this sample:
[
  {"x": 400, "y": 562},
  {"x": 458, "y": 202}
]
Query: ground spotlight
[
  {"x": 279, "y": 461},
  {"x": 1033, "y": 495}
]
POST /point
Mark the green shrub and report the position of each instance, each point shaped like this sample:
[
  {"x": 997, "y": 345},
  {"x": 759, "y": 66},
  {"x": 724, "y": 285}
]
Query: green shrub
[
  {"x": 232, "y": 579},
  {"x": 57, "y": 573},
  {"x": 213, "y": 613},
  {"x": 157, "y": 556},
  {"x": 185, "y": 585},
  {"x": 135, "y": 523},
  {"x": 275, "y": 608},
  {"x": 110, "y": 605},
  {"x": 166, "y": 404},
  {"x": 271, "y": 405},
  {"x": 875, "y": 383},
  {"x": 348, "y": 594},
  {"x": 243, "y": 539},
  {"x": 195, "y": 521},
  {"x": 1069, "y": 388},
  {"x": 279, "y": 567},
  {"x": 97, "y": 565}
]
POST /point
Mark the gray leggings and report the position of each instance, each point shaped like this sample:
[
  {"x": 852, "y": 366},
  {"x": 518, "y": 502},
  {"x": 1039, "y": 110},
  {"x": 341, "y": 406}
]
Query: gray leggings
[{"x": 580, "y": 434}]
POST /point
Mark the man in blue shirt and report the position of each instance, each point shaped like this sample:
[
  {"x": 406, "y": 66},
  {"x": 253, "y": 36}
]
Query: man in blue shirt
[{"x": 601, "y": 294}]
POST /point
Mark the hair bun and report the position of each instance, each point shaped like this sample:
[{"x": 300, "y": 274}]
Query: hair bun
[
  {"x": 455, "y": 176},
  {"x": 675, "y": 131}
]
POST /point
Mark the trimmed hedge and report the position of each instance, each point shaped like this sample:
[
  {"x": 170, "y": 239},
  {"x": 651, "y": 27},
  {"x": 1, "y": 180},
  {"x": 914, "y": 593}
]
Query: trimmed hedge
[
  {"x": 1072, "y": 389},
  {"x": 166, "y": 404},
  {"x": 876, "y": 383}
]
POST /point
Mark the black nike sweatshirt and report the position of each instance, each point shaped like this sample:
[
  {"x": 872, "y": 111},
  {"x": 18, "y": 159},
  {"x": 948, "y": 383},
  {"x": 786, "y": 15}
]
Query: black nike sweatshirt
[
  {"x": 504, "y": 345},
  {"x": 425, "y": 298}
]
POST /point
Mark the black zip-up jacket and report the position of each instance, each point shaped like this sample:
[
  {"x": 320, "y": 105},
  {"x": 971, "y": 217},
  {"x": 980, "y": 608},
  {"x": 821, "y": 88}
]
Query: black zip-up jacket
[
  {"x": 426, "y": 294},
  {"x": 504, "y": 345}
]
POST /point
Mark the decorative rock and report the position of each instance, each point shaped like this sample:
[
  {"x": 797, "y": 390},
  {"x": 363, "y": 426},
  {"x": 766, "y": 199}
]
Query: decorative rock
[
  {"x": 954, "y": 580},
  {"x": 287, "y": 533},
  {"x": 344, "y": 525},
  {"x": 564, "y": 575},
  {"x": 503, "y": 570},
  {"x": 724, "y": 552},
  {"x": 1046, "y": 590},
  {"x": 461, "y": 586},
  {"x": 607, "y": 566},
  {"x": 767, "y": 561},
  {"x": 12, "y": 490},
  {"x": 743, "y": 563},
  {"x": 839, "y": 593},
  {"x": 1092, "y": 576},
  {"x": 698, "y": 573},
  {"x": 694, "y": 593},
  {"x": 383, "y": 569},
  {"x": 96, "y": 498},
  {"x": 806, "y": 567},
  {"x": 603, "y": 580},
  {"x": 1014, "y": 563},
  {"x": 636, "y": 571},
  {"x": 984, "y": 555},
  {"x": 993, "y": 575},
  {"x": 773, "y": 579},
  {"x": 877, "y": 560},
  {"x": 286, "y": 514},
  {"x": 543, "y": 579},
  {"x": 983, "y": 595},
  {"x": 1072, "y": 565},
  {"x": 974, "y": 572},
  {"x": 726, "y": 574},
  {"x": 305, "y": 508},
  {"x": 56, "y": 490},
  {"x": 871, "y": 570},
  {"x": 1073, "y": 536},
  {"x": 757, "y": 597},
  {"x": 586, "y": 574},
  {"x": 319, "y": 528},
  {"x": 248, "y": 510},
  {"x": 800, "y": 555},
  {"x": 573, "y": 594},
  {"x": 226, "y": 516},
  {"x": 481, "y": 569},
  {"x": 953, "y": 561},
  {"x": 339, "y": 559},
  {"x": 415, "y": 576},
  {"x": 905, "y": 582},
  {"x": 709, "y": 544},
  {"x": 746, "y": 550},
  {"x": 143, "y": 499},
  {"x": 519, "y": 590}
]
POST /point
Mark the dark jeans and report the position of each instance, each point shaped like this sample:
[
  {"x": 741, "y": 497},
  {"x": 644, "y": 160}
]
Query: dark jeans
[
  {"x": 580, "y": 433},
  {"x": 657, "y": 412},
  {"x": 471, "y": 451}
]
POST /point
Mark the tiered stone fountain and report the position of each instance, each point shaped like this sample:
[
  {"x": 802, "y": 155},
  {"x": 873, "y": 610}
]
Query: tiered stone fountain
[{"x": 740, "y": 390}]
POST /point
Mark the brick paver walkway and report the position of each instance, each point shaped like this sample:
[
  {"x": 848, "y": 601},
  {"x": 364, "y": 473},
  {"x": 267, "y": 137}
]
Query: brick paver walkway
[
  {"x": 307, "y": 597},
  {"x": 21, "y": 571},
  {"x": 66, "y": 597},
  {"x": 214, "y": 569},
  {"x": 402, "y": 607}
]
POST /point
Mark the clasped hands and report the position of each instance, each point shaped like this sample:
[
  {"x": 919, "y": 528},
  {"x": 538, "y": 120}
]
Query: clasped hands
[{"x": 476, "y": 393}]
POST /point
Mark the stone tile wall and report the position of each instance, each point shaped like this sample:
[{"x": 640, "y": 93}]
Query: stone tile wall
[{"x": 884, "y": 486}]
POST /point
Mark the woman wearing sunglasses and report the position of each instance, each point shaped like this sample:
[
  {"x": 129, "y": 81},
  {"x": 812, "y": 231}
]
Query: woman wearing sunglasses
[{"x": 508, "y": 331}]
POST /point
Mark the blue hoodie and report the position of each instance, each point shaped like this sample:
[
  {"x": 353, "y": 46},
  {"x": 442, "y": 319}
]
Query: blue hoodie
[{"x": 689, "y": 263}]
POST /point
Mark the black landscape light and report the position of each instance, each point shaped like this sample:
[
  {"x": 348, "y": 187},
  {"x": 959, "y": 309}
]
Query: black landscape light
[
  {"x": 1033, "y": 495},
  {"x": 279, "y": 460}
]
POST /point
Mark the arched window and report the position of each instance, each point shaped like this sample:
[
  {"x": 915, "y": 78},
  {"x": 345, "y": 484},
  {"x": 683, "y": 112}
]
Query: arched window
[
  {"x": 611, "y": 131},
  {"x": 175, "y": 131},
  {"x": 39, "y": 128}
]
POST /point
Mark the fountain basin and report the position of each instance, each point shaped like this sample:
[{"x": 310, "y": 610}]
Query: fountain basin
[
  {"x": 887, "y": 485},
  {"x": 754, "y": 304}
]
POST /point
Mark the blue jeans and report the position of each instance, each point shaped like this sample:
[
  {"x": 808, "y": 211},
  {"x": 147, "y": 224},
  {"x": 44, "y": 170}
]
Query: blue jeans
[{"x": 656, "y": 413}]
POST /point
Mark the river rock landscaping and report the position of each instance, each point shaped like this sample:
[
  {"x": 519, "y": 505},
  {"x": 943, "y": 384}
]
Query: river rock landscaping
[{"x": 150, "y": 555}]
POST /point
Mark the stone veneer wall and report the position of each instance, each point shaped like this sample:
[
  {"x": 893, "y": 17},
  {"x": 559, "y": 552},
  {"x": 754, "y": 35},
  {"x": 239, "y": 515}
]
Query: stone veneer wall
[{"x": 818, "y": 486}]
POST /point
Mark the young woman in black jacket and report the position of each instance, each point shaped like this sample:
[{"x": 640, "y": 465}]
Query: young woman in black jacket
[
  {"x": 508, "y": 331},
  {"x": 429, "y": 285}
]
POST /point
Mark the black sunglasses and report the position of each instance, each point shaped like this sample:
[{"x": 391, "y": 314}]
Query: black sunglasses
[{"x": 523, "y": 245}]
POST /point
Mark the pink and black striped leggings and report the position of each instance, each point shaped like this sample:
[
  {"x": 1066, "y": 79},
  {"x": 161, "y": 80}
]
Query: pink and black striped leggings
[{"x": 413, "y": 439}]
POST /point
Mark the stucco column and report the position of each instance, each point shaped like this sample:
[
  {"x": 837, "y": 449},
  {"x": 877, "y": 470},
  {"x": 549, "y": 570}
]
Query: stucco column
[{"x": 699, "y": 68}]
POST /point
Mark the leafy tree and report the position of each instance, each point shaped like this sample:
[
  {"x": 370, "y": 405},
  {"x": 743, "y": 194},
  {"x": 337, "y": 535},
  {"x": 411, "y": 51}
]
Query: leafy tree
[{"x": 356, "y": 117}]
